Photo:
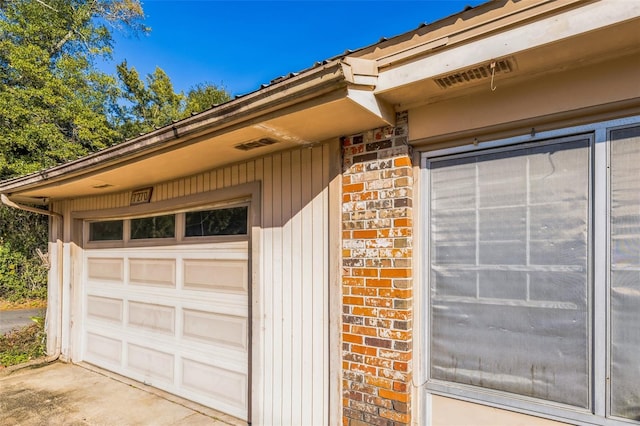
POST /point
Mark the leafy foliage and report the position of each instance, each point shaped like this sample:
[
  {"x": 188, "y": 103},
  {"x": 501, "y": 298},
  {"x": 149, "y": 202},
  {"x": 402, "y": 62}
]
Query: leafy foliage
[
  {"x": 203, "y": 96},
  {"x": 156, "y": 104},
  {"x": 23, "y": 345},
  {"x": 22, "y": 277},
  {"x": 55, "y": 106},
  {"x": 152, "y": 105},
  {"x": 23, "y": 231}
]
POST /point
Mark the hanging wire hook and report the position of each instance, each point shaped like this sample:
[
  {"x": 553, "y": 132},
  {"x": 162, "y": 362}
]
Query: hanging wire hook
[{"x": 493, "y": 74}]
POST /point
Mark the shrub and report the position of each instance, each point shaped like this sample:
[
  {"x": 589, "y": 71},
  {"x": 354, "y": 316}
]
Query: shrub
[
  {"x": 21, "y": 277},
  {"x": 23, "y": 231},
  {"x": 24, "y": 344}
]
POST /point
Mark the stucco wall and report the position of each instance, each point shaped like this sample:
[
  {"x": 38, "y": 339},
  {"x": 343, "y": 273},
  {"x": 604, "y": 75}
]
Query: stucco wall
[{"x": 540, "y": 102}]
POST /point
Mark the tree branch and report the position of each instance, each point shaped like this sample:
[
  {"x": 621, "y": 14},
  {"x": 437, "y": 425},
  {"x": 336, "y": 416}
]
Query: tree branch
[{"x": 46, "y": 5}]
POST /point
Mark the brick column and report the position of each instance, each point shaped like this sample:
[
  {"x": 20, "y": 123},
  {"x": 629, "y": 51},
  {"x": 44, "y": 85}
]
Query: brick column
[{"x": 377, "y": 276}]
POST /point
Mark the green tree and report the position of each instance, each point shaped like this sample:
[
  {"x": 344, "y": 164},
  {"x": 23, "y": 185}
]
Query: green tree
[
  {"x": 204, "y": 96},
  {"x": 155, "y": 103},
  {"x": 54, "y": 104},
  {"x": 149, "y": 105},
  {"x": 22, "y": 274},
  {"x": 54, "y": 107}
]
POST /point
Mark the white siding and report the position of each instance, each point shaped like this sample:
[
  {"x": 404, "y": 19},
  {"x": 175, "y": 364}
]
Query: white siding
[{"x": 291, "y": 316}]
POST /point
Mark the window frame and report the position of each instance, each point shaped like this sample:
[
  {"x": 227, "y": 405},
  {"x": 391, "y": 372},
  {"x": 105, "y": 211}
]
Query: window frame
[
  {"x": 598, "y": 270},
  {"x": 201, "y": 237},
  {"x": 179, "y": 233}
]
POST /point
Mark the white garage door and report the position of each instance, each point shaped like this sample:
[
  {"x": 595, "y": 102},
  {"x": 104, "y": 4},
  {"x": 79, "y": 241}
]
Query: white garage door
[{"x": 174, "y": 317}]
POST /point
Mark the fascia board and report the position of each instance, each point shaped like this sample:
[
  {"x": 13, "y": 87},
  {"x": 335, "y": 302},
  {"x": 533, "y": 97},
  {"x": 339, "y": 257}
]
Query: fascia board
[
  {"x": 367, "y": 100},
  {"x": 314, "y": 83},
  {"x": 548, "y": 30}
]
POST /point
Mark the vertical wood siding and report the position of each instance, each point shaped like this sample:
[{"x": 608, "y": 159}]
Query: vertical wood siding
[{"x": 294, "y": 278}]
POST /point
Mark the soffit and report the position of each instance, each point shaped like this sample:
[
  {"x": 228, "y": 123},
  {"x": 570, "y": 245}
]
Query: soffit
[
  {"x": 403, "y": 86},
  {"x": 306, "y": 124}
]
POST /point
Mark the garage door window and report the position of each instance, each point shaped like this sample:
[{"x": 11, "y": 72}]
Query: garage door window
[
  {"x": 533, "y": 272},
  {"x": 153, "y": 227},
  {"x": 192, "y": 226},
  {"x": 110, "y": 230},
  {"x": 231, "y": 221}
]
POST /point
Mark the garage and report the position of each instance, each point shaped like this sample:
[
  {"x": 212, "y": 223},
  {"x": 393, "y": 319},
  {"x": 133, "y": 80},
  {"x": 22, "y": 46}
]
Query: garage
[
  {"x": 215, "y": 286},
  {"x": 166, "y": 302}
]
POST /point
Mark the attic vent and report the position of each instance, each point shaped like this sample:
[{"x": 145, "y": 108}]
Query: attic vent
[
  {"x": 255, "y": 144},
  {"x": 483, "y": 72}
]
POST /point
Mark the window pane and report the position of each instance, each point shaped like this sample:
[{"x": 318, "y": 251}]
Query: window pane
[
  {"x": 105, "y": 231},
  {"x": 625, "y": 273},
  {"x": 231, "y": 221},
  {"x": 509, "y": 247},
  {"x": 153, "y": 227}
]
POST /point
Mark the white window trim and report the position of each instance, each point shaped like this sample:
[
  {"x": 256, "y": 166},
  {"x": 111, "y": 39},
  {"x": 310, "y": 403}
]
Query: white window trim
[{"x": 599, "y": 292}]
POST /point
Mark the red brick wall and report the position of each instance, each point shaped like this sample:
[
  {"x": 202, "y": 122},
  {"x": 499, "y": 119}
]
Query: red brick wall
[{"x": 377, "y": 276}]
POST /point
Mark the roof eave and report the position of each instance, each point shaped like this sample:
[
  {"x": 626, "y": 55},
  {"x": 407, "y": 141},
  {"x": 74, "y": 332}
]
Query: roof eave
[{"x": 312, "y": 83}]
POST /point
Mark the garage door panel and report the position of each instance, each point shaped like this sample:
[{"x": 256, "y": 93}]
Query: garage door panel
[
  {"x": 104, "y": 308},
  {"x": 222, "y": 357},
  {"x": 104, "y": 349},
  {"x": 222, "y": 303},
  {"x": 155, "y": 318},
  {"x": 218, "y": 383},
  {"x": 226, "y": 250},
  {"x": 154, "y": 272},
  {"x": 213, "y": 327},
  {"x": 105, "y": 289},
  {"x": 107, "y": 269},
  {"x": 216, "y": 275},
  {"x": 151, "y": 363},
  {"x": 173, "y": 317},
  {"x": 233, "y": 355}
]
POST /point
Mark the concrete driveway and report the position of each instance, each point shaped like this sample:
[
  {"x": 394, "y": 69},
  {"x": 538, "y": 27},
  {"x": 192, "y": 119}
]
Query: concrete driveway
[{"x": 67, "y": 394}]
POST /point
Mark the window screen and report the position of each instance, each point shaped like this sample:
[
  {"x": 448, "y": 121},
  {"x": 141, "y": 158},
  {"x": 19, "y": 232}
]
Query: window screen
[
  {"x": 509, "y": 270},
  {"x": 625, "y": 273}
]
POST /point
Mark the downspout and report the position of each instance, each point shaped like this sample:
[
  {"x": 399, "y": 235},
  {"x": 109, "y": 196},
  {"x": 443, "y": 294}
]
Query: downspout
[{"x": 7, "y": 202}]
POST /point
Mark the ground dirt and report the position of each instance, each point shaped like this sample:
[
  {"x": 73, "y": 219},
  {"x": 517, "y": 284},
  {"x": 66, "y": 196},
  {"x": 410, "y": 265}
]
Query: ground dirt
[{"x": 6, "y": 305}]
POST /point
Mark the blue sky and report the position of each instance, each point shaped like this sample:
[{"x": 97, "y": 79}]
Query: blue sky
[{"x": 243, "y": 44}]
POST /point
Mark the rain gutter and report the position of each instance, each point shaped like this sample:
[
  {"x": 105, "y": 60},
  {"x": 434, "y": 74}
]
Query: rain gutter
[
  {"x": 7, "y": 202},
  {"x": 314, "y": 83}
]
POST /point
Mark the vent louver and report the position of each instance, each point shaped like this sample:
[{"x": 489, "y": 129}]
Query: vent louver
[
  {"x": 482, "y": 72},
  {"x": 255, "y": 144}
]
